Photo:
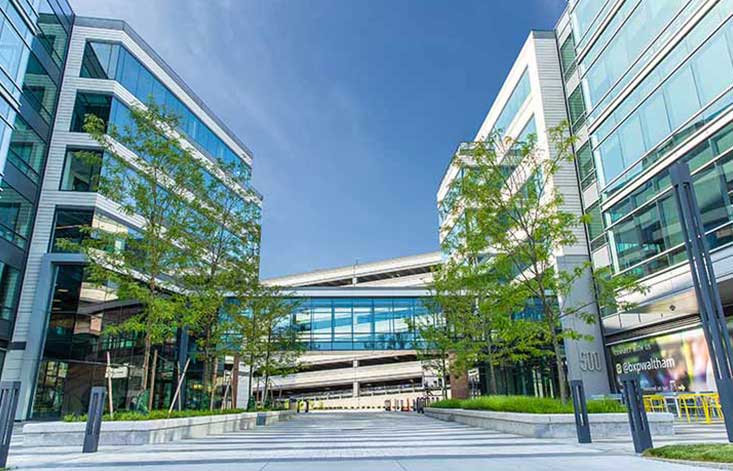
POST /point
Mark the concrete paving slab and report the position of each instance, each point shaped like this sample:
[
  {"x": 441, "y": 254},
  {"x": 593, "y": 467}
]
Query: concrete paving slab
[{"x": 355, "y": 442}]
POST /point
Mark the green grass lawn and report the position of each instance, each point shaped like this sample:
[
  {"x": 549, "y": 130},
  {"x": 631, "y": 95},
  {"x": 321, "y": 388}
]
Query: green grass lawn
[
  {"x": 528, "y": 405},
  {"x": 717, "y": 453}
]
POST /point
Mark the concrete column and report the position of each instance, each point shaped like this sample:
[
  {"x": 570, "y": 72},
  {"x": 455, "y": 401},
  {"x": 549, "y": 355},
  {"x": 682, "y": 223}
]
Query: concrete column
[
  {"x": 356, "y": 383},
  {"x": 586, "y": 358},
  {"x": 458, "y": 385}
]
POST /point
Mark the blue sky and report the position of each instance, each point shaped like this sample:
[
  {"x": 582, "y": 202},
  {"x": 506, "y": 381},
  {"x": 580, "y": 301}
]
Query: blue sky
[{"x": 352, "y": 108}]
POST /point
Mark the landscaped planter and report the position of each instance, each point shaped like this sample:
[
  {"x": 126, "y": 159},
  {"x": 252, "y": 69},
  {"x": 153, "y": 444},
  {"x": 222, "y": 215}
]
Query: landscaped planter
[
  {"x": 551, "y": 425},
  {"x": 141, "y": 432}
]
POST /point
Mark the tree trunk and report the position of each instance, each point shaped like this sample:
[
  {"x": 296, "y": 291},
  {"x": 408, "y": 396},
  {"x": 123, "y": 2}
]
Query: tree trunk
[
  {"x": 492, "y": 371},
  {"x": 492, "y": 378},
  {"x": 146, "y": 363},
  {"x": 235, "y": 380},
  {"x": 267, "y": 366},
  {"x": 152, "y": 379},
  {"x": 250, "y": 379},
  {"x": 214, "y": 372},
  {"x": 560, "y": 368},
  {"x": 443, "y": 374}
]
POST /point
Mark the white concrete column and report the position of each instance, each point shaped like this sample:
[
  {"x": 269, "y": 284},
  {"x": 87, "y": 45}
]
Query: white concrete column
[{"x": 356, "y": 383}]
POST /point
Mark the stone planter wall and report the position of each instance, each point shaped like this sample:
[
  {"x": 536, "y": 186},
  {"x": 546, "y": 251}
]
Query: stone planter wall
[
  {"x": 273, "y": 417},
  {"x": 144, "y": 431},
  {"x": 551, "y": 425}
]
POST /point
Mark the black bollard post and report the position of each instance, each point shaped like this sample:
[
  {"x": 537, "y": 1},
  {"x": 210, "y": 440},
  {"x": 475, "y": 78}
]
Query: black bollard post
[
  {"x": 637, "y": 414},
  {"x": 94, "y": 419},
  {"x": 8, "y": 404},
  {"x": 582, "y": 425}
]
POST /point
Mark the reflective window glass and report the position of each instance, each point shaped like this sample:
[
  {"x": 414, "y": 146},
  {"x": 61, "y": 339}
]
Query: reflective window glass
[
  {"x": 9, "y": 290},
  {"x": 81, "y": 170},
  {"x": 516, "y": 99},
  {"x": 69, "y": 228},
  {"x": 16, "y": 215},
  {"x": 90, "y": 103},
  {"x": 710, "y": 198}
]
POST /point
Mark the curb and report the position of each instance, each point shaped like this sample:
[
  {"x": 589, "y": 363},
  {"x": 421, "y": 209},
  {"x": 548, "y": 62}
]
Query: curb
[{"x": 701, "y": 464}]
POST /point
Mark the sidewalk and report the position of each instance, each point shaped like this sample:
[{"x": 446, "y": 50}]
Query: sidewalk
[{"x": 355, "y": 442}]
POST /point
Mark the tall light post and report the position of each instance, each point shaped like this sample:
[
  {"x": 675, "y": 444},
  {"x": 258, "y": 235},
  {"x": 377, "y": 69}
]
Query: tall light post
[{"x": 710, "y": 306}]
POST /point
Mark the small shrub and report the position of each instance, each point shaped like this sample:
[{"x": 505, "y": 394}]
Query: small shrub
[
  {"x": 448, "y": 404},
  {"x": 528, "y": 405},
  {"x": 153, "y": 415}
]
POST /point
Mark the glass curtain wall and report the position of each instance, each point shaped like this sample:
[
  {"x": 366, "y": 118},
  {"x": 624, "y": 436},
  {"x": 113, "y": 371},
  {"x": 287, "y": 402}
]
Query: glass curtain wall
[
  {"x": 113, "y": 61},
  {"x": 358, "y": 323}
]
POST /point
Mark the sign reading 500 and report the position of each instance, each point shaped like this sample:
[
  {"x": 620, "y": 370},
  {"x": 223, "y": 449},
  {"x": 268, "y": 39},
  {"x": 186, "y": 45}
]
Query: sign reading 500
[{"x": 591, "y": 361}]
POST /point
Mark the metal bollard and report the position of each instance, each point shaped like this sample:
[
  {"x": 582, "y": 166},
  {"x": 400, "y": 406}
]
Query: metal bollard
[
  {"x": 637, "y": 414},
  {"x": 8, "y": 404},
  {"x": 582, "y": 425},
  {"x": 94, "y": 419}
]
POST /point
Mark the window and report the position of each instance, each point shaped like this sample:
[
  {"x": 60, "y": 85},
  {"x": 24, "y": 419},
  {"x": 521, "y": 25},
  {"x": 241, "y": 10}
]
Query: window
[
  {"x": 611, "y": 158},
  {"x": 586, "y": 166},
  {"x": 567, "y": 55},
  {"x": 69, "y": 228},
  {"x": 595, "y": 227},
  {"x": 713, "y": 69},
  {"x": 681, "y": 96},
  {"x": 576, "y": 108},
  {"x": 100, "y": 60},
  {"x": 81, "y": 170},
  {"x": 9, "y": 290},
  {"x": 11, "y": 49},
  {"x": 514, "y": 103},
  {"x": 16, "y": 215},
  {"x": 27, "y": 150},
  {"x": 710, "y": 198},
  {"x": 39, "y": 89},
  {"x": 90, "y": 103}
]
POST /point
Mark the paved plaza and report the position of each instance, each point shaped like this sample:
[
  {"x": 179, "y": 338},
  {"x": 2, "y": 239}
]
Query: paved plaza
[{"x": 356, "y": 442}]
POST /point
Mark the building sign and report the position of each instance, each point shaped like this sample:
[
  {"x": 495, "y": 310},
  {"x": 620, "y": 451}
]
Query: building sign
[{"x": 672, "y": 362}]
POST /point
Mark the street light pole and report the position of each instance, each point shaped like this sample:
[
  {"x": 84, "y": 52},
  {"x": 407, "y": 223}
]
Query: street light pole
[{"x": 710, "y": 306}]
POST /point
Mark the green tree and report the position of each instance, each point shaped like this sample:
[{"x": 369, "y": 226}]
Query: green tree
[
  {"x": 147, "y": 171},
  {"x": 269, "y": 341},
  {"x": 223, "y": 240},
  {"x": 516, "y": 218},
  {"x": 435, "y": 344}
]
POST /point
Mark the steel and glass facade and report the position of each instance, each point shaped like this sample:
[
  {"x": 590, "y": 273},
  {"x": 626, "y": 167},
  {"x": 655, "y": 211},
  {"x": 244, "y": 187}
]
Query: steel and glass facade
[
  {"x": 359, "y": 323},
  {"x": 34, "y": 39},
  {"x": 648, "y": 84},
  {"x": 52, "y": 320}
]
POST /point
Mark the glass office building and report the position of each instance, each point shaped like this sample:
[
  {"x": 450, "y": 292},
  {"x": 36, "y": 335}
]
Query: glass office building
[
  {"x": 34, "y": 38},
  {"x": 53, "y": 321},
  {"x": 650, "y": 83}
]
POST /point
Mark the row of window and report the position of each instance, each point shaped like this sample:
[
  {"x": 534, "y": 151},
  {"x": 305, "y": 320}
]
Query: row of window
[
  {"x": 695, "y": 83},
  {"x": 663, "y": 33},
  {"x": 611, "y": 56},
  {"x": 645, "y": 225},
  {"x": 585, "y": 15},
  {"x": 114, "y": 62},
  {"x": 79, "y": 174},
  {"x": 357, "y": 323}
]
